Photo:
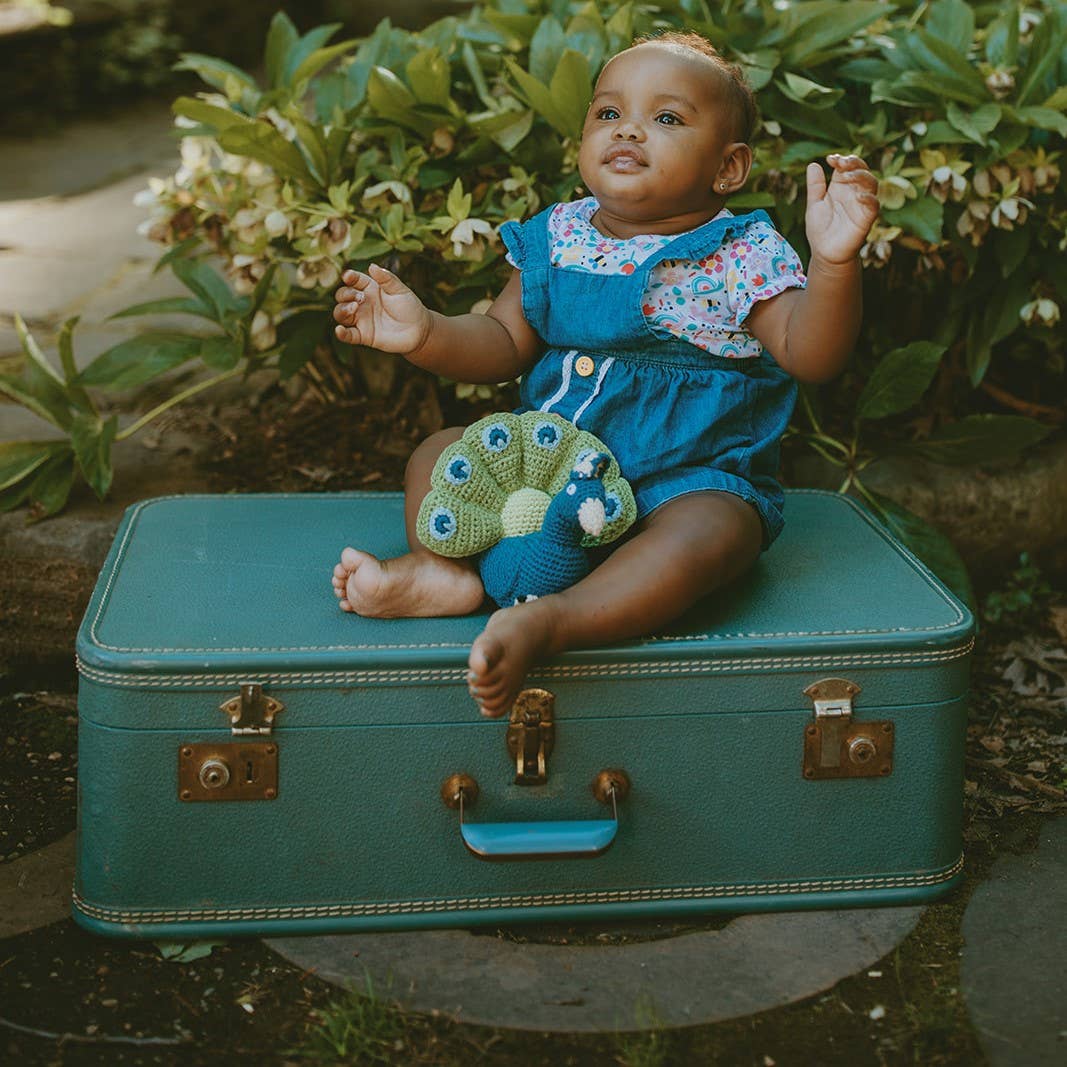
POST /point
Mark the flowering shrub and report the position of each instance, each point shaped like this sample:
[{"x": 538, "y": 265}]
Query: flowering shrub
[{"x": 414, "y": 147}]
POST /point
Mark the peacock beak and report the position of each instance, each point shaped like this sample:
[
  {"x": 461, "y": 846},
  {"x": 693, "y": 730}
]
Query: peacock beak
[{"x": 591, "y": 516}]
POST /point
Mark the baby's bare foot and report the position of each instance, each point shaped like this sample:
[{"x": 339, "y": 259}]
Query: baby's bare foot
[
  {"x": 513, "y": 640},
  {"x": 418, "y": 584}
]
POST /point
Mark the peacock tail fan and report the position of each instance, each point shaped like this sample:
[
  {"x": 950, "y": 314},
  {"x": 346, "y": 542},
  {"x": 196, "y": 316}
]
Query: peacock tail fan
[{"x": 498, "y": 479}]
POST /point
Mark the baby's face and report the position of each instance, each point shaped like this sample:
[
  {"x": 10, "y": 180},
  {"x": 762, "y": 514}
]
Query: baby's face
[{"x": 655, "y": 135}]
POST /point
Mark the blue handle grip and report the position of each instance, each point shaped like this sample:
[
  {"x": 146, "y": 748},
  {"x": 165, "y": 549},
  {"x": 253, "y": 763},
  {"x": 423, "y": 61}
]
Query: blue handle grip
[{"x": 539, "y": 840}]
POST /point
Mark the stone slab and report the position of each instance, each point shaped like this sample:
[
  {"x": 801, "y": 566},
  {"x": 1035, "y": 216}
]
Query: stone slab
[
  {"x": 753, "y": 964},
  {"x": 35, "y": 890},
  {"x": 1014, "y": 968},
  {"x": 106, "y": 149}
]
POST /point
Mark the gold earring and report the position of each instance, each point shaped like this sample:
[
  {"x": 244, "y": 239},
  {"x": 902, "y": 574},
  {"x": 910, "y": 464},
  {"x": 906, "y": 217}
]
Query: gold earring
[{"x": 722, "y": 186}]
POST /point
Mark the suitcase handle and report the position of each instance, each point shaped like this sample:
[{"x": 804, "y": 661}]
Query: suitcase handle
[{"x": 577, "y": 839}]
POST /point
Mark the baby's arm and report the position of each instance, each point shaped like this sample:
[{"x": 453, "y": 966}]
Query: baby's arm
[
  {"x": 378, "y": 310},
  {"x": 810, "y": 332}
]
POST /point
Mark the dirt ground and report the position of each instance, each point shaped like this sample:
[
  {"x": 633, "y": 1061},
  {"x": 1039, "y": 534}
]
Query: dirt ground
[{"x": 68, "y": 997}]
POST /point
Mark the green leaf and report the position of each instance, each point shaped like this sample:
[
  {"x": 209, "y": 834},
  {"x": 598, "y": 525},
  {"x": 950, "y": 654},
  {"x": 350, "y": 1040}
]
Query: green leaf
[
  {"x": 182, "y": 305},
  {"x": 805, "y": 91},
  {"x": 951, "y": 67},
  {"x": 220, "y": 353},
  {"x": 546, "y": 49},
  {"x": 140, "y": 359},
  {"x": 1011, "y": 247},
  {"x": 40, "y": 387},
  {"x": 386, "y": 91},
  {"x": 923, "y": 217},
  {"x": 18, "y": 392},
  {"x": 572, "y": 89},
  {"x": 899, "y": 380},
  {"x": 1046, "y": 50},
  {"x": 218, "y": 118},
  {"x": 926, "y": 542},
  {"x": 186, "y": 951},
  {"x": 213, "y": 70},
  {"x": 208, "y": 286},
  {"x": 312, "y": 139},
  {"x": 981, "y": 439},
  {"x": 262, "y": 142},
  {"x": 539, "y": 98},
  {"x": 298, "y": 336},
  {"x": 1058, "y": 100},
  {"x": 474, "y": 69},
  {"x": 975, "y": 124},
  {"x": 952, "y": 21},
  {"x": 92, "y": 438},
  {"x": 321, "y": 58},
  {"x": 21, "y": 458},
  {"x": 50, "y": 488},
  {"x": 429, "y": 76},
  {"x": 70, "y": 369},
  {"x": 820, "y": 27},
  {"x": 1044, "y": 118},
  {"x": 1002, "y": 38},
  {"x": 993, "y": 317},
  {"x": 281, "y": 37},
  {"x": 259, "y": 294}
]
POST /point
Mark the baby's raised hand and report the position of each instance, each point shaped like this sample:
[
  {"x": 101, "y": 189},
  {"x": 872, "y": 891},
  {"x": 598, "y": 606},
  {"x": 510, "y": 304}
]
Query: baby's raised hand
[
  {"x": 378, "y": 310},
  {"x": 839, "y": 218}
]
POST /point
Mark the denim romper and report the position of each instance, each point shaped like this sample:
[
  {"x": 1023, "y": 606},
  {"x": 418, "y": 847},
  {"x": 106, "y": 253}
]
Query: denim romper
[{"x": 677, "y": 418}]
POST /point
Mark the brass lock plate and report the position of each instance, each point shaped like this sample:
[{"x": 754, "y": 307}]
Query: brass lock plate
[
  {"x": 229, "y": 770},
  {"x": 844, "y": 749}
]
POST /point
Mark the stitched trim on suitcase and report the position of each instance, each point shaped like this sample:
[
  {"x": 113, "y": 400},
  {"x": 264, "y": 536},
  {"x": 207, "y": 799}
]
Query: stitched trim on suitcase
[
  {"x": 907, "y": 556},
  {"x": 620, "y": 896},
  {"x": 457, "y": 675}
]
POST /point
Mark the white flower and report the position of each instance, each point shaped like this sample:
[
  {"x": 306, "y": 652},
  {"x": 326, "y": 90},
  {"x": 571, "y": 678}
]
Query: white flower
[
  {"x": 974, "y": 222},
  {"x": 878, "y": 249},
  {"x": 331, "y": 235},
  {"x": 399, "y": 191},
  {"x": 263, "y": 333},
  {"x": 317, "y": 272},
  {"x": 895, "y": 191},
  {"x": 1044, "y": 311},
  {"x": 464, "y": 233},
  {"x": 945, "y": 183},
  {"x": 278, "y": 224},
  {"x": 1000, "y": 83},
  {"x": 246, "y": 224},
  {"x": 245, "y": 271},
  {"x": 1011, "y": 210}
]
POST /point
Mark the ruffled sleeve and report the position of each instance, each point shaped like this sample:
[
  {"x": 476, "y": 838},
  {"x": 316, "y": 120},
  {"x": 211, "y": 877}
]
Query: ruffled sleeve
[
  {"x": 759, "y": 263},
  {"x": 511, "y": 233}
]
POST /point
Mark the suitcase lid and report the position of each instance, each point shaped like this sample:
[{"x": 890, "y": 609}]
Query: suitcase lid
[{"x": 225, "y": 585}]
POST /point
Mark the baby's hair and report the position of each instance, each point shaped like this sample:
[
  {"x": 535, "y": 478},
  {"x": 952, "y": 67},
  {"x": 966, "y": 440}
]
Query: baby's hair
[{"x": 739, "y": 95}]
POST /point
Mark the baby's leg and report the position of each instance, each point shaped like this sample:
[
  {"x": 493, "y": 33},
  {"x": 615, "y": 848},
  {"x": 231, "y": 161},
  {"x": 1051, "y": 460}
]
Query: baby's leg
[
  {"x": 420, "y": 582},
  {"x": 682, "y": 551}
]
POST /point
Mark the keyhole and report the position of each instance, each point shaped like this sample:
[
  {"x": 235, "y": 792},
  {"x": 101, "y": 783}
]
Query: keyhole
[{"x": 249, "y": 776}]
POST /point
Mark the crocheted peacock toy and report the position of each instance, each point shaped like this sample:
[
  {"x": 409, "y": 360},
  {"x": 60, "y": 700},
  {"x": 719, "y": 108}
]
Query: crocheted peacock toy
[{"x": 528, "y": 494}]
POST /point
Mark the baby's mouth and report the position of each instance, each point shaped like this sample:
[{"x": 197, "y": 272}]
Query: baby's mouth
[{"x": 625, "y": 159}]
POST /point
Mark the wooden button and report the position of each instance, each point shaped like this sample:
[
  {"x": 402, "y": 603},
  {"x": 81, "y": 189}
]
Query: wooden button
[{"x": 584, "y": 366}]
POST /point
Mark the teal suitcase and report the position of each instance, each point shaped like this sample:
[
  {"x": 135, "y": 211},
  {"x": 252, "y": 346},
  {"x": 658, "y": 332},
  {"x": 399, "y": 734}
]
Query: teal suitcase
[{"x": 255, "y": 761}]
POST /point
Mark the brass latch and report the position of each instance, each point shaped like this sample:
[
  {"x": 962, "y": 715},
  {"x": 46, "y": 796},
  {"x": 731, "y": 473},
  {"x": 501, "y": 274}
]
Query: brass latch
[
  {"x": 531, "y": 735},
  {"x": 837, "y": 747},
  {"x": 235, "y": 770},
  {"x": 253, "y": 712}
]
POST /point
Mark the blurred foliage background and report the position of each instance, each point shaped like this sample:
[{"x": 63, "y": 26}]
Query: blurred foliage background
[{"x": 308, "y": 147}]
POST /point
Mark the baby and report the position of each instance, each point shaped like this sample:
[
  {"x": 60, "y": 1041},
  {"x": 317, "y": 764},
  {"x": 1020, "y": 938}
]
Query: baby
[{"x": 654, "y": 318}]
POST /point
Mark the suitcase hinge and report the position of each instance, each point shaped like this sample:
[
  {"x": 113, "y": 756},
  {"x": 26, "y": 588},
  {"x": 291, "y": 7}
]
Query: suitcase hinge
[
  {"x": 252, "y": 712},
  {"x": 837, "y": 747},
  {"x": 531, "y": 735}
]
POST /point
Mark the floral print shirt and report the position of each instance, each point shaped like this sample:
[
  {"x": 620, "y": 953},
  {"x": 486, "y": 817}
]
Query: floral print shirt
[{"x": 702, "y": 301}]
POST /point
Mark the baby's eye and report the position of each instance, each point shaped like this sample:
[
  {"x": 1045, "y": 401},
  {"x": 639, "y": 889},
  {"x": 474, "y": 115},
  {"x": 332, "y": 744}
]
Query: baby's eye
[
  {"x": 673, "y": 119},
  {"x": 607, "y": 113}
]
